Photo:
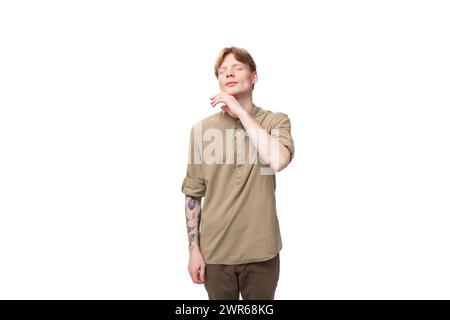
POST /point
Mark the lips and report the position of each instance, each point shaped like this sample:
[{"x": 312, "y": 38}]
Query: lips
[{"x": 231, "y": 83}]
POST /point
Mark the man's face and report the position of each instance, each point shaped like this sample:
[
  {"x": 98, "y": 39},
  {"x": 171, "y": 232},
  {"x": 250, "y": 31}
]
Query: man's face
[{"x": 237, "y": 72}]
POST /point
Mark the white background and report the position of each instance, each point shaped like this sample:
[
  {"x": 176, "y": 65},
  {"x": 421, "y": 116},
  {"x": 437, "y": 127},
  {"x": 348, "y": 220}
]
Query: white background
[{"x": 96, "y": 102}]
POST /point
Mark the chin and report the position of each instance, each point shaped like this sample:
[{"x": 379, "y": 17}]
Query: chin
[{"x": 233, "y": 91}]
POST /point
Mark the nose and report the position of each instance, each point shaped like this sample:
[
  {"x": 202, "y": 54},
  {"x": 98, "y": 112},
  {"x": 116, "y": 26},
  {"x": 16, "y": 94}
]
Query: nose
[{"x": 229, "y": 73}]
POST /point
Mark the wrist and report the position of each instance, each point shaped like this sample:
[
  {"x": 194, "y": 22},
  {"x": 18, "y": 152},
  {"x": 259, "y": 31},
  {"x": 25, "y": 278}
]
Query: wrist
[
  {"x": 242, "y": 114},
  {"x": 194, "y": 250}
]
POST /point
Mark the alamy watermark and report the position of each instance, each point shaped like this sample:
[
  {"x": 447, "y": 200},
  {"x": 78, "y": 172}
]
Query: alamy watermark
[{"x": 212, "y": 146}]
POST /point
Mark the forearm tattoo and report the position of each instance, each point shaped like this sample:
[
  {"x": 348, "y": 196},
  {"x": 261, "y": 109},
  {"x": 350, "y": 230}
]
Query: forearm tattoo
[
  {"x": 193, "y": 217},
  {"x": 191, "y": 203}
]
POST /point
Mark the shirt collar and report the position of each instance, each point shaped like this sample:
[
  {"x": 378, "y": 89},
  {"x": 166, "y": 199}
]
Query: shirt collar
[{"x": 254, "y": 112}]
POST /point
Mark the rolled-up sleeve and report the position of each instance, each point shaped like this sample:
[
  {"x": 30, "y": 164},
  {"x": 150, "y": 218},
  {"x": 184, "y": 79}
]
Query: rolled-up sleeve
[
  {"x": 194, "y": 183},
  {"x": 281, "y": 130}
]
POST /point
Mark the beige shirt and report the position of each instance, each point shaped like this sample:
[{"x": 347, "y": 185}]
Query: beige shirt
[{"x": 239, "y": 221}]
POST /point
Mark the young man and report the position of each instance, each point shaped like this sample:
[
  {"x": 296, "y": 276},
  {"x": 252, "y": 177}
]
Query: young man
[{"x": 234, "y": 239}]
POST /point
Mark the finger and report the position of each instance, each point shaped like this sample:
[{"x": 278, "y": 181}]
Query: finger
[
  {"x": 215, "y": 102},
  {"x": 224, "y": 108},
  {"x": 194, "y": 275},
  {"x": 227, "y": 110},
  {"x": 202, "y": 273},
  {"x": 197, "y": 276},
  {"x": 215, "y": 99}
]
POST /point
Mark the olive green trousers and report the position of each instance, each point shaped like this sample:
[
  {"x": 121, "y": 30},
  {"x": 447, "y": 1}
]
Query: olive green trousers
[{"x": 254, "y": 281}]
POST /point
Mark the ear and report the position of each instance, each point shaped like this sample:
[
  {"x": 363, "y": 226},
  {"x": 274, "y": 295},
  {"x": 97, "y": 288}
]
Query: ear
[{"x": 254, "y": 77}]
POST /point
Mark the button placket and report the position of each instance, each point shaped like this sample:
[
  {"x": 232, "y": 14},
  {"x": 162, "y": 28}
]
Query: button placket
[{"x": 239, "y": 149}]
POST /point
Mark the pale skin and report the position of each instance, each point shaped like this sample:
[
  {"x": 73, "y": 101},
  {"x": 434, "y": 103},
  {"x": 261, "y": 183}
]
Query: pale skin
[
  {"x": 196, "y": 266},
  {"x": 237, "y": 103},
  {"x": 278, "y": 157}
]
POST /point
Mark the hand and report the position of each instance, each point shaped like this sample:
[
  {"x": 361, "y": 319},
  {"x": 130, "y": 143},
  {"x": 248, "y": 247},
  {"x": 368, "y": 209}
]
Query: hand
[
  {"x": 196, "y": 267},
  {"x": 232, "y": 106}
]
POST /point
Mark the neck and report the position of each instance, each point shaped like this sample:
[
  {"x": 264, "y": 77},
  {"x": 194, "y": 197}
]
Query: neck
[{"x": 246, "y": 102}]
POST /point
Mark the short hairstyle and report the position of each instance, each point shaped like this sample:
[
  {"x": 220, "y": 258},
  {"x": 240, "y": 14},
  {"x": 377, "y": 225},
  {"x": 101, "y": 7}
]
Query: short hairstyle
[{"x": 240, "y": 55}]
